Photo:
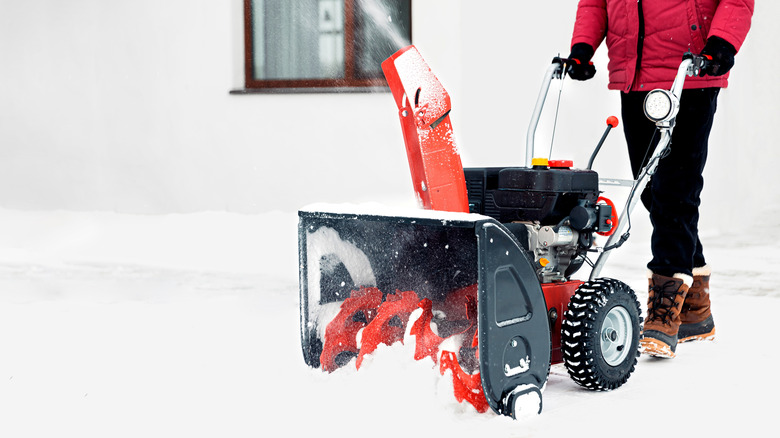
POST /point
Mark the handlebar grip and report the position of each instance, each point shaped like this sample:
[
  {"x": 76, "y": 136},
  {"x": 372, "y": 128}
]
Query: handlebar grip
[{"x": 700, "y": 63}]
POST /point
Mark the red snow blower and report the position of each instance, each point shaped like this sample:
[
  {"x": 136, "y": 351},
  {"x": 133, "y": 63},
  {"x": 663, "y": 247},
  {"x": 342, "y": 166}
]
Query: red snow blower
[{"x": 482, "y": 276}]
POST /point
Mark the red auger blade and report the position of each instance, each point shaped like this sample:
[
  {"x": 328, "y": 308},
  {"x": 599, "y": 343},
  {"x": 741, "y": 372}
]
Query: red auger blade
[
  {"x": 389, "y": 325},
  {"x": 341, "y": 333},
  {"x": 467, "y": 386}
]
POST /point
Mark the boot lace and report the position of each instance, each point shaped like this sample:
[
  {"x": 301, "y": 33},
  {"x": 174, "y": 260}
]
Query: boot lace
[{"x": 664, "y": 300}]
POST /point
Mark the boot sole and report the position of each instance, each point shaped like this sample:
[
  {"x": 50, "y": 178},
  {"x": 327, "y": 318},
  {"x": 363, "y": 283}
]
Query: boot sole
[
  {"x": 698, "y": 331},
  {"x": 656, "y": 348},
  {"x": 700, "y": 337}
]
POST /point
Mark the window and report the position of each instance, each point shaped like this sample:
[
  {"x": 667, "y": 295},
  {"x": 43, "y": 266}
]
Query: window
[{"x": 322, "y": 44}]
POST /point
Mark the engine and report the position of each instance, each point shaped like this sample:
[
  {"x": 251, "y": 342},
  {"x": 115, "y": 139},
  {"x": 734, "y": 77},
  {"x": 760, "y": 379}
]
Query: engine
[{"x": 552, "y": 209}]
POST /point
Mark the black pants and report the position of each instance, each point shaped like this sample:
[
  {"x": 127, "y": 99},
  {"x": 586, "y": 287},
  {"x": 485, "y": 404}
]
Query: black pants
[{"x": 673, "y": 194}]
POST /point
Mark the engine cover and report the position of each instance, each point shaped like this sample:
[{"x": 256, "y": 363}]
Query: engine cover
[{"x": 544, "y": 195}]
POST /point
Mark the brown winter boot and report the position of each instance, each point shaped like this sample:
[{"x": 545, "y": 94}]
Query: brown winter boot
[
  {"x": 696, "y": 316},
  {"x": 664, "y": 303}
]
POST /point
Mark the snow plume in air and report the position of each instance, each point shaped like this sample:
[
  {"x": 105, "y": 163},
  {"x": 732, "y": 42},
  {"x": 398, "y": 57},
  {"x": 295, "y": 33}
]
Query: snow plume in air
[{"x": 379, "y": 13}]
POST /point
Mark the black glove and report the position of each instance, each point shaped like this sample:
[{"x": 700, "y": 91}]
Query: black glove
[
  {"x": 581, "y": 68},
  {"x": 720, "y": 54}
]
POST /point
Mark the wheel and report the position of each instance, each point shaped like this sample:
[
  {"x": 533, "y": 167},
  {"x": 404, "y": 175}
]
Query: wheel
[{"x": 600, "y": 334}]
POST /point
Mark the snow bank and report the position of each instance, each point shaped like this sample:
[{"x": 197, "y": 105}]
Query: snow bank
[{"x": 187, "y": 325}]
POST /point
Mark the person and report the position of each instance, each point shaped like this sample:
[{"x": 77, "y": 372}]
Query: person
[{"x": 646, "y": 41}]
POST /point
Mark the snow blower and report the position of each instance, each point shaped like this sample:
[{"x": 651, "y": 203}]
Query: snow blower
[{"x": 481, "y": 276}]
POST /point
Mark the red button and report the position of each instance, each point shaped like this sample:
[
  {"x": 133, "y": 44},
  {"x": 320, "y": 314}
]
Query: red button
[{"x": 561, "y": 164}]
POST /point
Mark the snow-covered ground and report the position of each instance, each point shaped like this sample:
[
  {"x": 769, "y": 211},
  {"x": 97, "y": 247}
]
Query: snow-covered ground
[{"x": 187, "y": 325}]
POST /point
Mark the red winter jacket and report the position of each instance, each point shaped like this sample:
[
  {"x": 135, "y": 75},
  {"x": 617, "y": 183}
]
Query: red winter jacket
[{"x": 669, "y": 28}]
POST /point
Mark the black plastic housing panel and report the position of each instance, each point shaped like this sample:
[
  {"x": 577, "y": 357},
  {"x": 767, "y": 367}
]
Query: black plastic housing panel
[{"x": 514, "y": 337}]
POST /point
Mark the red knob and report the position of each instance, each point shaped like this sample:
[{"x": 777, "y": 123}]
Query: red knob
[
  {"x": 612, "y": 121},
  {"x": 561, "y": 164}
]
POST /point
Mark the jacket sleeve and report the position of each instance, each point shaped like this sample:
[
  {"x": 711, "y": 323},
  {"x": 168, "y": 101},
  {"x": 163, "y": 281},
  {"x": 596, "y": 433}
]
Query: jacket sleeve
[
  {"x": 591, "y": 24},
  {"x": 732, "y": 21}
]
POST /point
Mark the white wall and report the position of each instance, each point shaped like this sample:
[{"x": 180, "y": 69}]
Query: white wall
[{"x": 125, "y": 106}]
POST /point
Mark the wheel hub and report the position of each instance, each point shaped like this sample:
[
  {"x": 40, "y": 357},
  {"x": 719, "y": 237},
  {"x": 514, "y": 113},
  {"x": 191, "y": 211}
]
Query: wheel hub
[{"x": 616, "y": 332}]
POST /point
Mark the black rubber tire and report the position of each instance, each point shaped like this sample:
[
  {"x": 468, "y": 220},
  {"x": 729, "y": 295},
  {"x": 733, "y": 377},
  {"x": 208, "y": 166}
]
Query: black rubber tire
[{"x": 582, "y": 327}]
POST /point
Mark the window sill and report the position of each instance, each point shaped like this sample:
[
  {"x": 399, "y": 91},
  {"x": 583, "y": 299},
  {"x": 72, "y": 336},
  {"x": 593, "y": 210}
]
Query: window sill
[{"x": 311, "y": 90}]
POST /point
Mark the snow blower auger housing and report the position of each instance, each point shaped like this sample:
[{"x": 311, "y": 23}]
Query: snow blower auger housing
[{"x": 481, "y": 278}]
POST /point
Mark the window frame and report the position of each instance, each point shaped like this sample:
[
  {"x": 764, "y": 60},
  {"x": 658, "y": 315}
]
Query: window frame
[{"x": 349, "y": 83}]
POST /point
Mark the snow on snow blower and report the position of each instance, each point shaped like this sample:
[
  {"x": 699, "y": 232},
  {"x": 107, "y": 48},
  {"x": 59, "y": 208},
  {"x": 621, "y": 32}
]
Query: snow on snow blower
[{"x": 481, "y": 277}]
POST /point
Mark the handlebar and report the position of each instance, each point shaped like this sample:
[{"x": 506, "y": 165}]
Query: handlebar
[{"x": 691, "y": 65}]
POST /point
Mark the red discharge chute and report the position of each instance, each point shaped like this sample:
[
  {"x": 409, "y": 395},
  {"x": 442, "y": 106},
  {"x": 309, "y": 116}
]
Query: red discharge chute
[{"x": 423, "y": 108}]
